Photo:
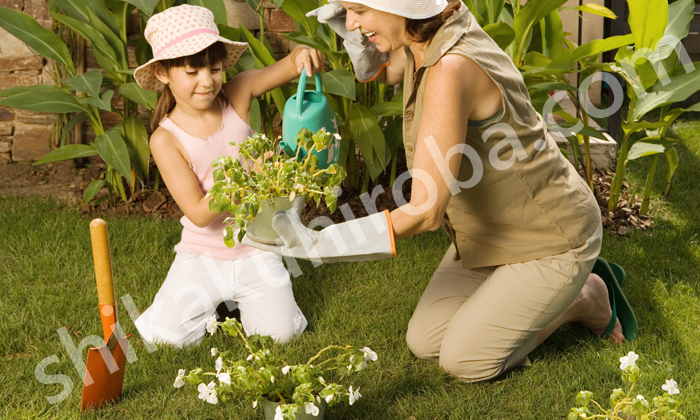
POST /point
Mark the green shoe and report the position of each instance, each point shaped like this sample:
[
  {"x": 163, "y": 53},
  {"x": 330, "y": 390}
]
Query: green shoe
[
  {"x": 622, "y": 310},
  {"x": 620, "y": 274}
]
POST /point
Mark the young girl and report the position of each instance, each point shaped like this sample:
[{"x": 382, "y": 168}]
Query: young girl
[{"x": 194, "y": 122}]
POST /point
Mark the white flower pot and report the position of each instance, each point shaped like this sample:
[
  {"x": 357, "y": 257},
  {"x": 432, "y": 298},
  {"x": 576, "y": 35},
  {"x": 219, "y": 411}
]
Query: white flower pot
[
  {"x": 270, "y": 407},
  {"x": 260, "y": 228}
]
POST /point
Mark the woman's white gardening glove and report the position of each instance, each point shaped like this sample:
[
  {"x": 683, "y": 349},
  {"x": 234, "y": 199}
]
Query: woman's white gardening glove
[
  {"x": 365, "y": 239},
  {"x": 367, "y": 60}
]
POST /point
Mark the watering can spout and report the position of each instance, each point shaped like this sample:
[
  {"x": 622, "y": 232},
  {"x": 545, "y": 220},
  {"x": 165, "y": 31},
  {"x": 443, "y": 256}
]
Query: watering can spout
[{"x": 309, "y": 109}]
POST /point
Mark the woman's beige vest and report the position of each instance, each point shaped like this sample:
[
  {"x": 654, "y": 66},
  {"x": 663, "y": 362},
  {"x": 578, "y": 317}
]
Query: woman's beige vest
[{"x": 529, "y": 201}]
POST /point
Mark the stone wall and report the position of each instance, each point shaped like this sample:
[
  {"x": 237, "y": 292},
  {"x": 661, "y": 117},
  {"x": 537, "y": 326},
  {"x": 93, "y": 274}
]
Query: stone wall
[{"x": 26, "y": 135}]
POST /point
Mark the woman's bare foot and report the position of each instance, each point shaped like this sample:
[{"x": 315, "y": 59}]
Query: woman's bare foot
[{"x": 592, "y": 309}]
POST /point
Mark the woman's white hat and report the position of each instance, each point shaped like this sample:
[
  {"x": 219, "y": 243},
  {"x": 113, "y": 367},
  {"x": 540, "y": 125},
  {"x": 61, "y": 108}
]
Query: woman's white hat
[
  {"x": 411, "y": 9},
  {"x": 178, "y": 32}
]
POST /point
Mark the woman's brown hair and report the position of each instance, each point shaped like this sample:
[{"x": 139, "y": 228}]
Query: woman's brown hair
[
  {"x": 213, "y": 54},
  {"x": 423, "y": 30}
]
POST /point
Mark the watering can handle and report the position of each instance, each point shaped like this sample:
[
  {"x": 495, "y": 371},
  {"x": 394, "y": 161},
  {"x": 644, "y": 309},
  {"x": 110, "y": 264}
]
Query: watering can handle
[{"x": 302, "y": 88}]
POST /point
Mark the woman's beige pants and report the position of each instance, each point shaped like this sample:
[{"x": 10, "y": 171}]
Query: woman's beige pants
[{"x": 481, "y": 322}]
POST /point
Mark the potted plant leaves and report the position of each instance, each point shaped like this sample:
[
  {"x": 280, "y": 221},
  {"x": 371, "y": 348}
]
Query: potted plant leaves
[
  {"x": 263, "y": 182},
  {"x": 286, "y": 392}
]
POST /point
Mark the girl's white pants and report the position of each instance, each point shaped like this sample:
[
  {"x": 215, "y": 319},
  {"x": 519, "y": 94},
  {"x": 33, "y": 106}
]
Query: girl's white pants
[{"x": 197, "y": 284}]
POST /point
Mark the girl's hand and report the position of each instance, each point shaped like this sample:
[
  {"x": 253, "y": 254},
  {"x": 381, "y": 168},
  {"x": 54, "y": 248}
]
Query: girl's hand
[{"x": 313, "y": 60}]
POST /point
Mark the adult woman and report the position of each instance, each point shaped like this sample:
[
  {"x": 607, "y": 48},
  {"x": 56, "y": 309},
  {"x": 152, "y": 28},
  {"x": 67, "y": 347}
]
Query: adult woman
[{"x": 525, "y": 228}]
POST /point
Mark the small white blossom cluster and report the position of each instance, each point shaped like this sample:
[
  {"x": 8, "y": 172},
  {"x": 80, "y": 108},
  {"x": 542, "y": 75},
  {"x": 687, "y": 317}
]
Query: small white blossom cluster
[
  {"x": 623, "y": 405},
  {"x": 264, "y": 377}
]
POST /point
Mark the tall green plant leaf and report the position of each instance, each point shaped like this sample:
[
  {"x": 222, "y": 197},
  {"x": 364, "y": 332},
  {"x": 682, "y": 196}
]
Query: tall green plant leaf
[
  {"x": 297, "y": 10},
  {"x": 65, "y": 132},
  {"x": 648, "y": 146},
  {"x": 593, "y": 48},
  {"x": 137, "y": 142},
  {"x": 81, "y": 9},
  {"x": 105, "y": 55},
  {"x": 36, "y": 89},
  {"x": 672, "y": 158},
  {"x": 114, "y": 152},
  {"x": 254, "y": 115},
  {"x": 89, "y": 82},
  {"x": 58, "y": 101},
  {"x": 217, "y": 7},
  {"x": 228, "y": 32},
  {"x": 594, "y": 9},
  {"x": 41, "y": 40},
  {"x": 134, "y": 93},
  {"x": 647, "y": 21},
  {"x": 387, "y": 109},
  {"x": 71, "y": 151},
  {"x": 145, "y": 6},
  {"x": 92, "y": 189},
  {"x": 366, "y": 132},
  {"x": 339, "y": 82},
  {"x": 533, "y": 12},
  {"x": 680, "y": 13},
  {"x": 681, "y": 86},
  {"x": 102, "y": 102},
  {"x": 500, "y": 32},
  {"x": 553, "y": 39},
  {"x": 263, "y": 58},
  {"x": 493, "y": 10},
  {"x": 112, "y": 39}
]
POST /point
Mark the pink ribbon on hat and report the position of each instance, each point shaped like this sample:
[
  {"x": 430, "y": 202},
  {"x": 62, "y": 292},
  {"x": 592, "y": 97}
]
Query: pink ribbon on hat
[{"x": 185, "y": 36}]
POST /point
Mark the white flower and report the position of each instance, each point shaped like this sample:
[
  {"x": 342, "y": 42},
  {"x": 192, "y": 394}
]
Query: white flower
[
  {"x": 205, "y": 390},
  {"x": 337, "y": 136},
  {"x": 320, "y": 379},
  {"x": 255, "y": 404},
  {"x": 213, "y": 398},
  {"x": 249, "y": 357},
  {"x": 329, "y": 398},
  {"x": 285, "y": 370},
  {"x": 214, "y": 351},
  {"x": 211, "y": 324},
  {"x": 311, "y": 409},
  {"x": 224, "y": 378},
  {"x": 219, "y": 364},
  {"x": 671, "y": 387},
  {"x": 272, "y": 378},
  {"x": 278, "y": 413},
  {"x": 180, "y": 380},
  {"x": 641, "y": 398},
  {"x": 354, "y": 395},
  {"x": 629, "y": 360},
  {"x": 369, "y": 354}
]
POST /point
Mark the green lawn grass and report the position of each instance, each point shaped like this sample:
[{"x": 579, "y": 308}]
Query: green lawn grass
[{"x": 47, "y": 283}]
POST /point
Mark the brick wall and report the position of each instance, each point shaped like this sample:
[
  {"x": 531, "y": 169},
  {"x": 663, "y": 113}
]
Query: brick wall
[{"x": 25, "y": 135}]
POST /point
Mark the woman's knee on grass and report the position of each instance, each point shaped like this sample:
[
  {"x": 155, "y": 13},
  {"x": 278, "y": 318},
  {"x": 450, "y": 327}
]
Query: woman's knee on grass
[{"x": 420, "y": 342}]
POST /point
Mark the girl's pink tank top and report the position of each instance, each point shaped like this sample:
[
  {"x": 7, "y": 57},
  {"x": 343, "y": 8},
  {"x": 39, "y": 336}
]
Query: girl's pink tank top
[{"x": 209, "y": 241}]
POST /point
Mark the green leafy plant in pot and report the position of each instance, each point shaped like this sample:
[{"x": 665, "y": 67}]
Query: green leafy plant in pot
[
  {"x": 286, "y": 392},
  {"x": 263, "y": 182}
]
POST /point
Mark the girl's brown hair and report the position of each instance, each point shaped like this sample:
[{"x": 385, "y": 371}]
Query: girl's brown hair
[
  {"x": 423, "y": 30},
  {"x": 213, "y": 54}
]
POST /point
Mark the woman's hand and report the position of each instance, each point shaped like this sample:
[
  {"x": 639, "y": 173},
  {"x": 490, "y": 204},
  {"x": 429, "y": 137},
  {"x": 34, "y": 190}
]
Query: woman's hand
[{"x": 305, "y": 57}]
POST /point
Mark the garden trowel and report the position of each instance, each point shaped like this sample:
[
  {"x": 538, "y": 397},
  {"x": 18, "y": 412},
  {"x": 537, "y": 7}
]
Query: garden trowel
[{"x": 104, "y": 370}]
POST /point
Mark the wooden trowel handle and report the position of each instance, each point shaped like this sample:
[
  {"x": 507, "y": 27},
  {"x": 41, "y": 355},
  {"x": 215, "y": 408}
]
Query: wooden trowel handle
[{"x": 103, "y": 262}]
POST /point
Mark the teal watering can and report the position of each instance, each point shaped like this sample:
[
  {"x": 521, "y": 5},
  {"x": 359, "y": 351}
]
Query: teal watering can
[{"x": 309, "y": 109}]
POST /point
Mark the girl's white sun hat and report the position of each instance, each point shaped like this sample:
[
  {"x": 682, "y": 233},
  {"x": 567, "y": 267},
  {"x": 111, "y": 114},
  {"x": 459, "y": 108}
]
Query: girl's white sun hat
[
  {"x": 178, "y": 32},
  {"x": 411, "y": 9}
]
